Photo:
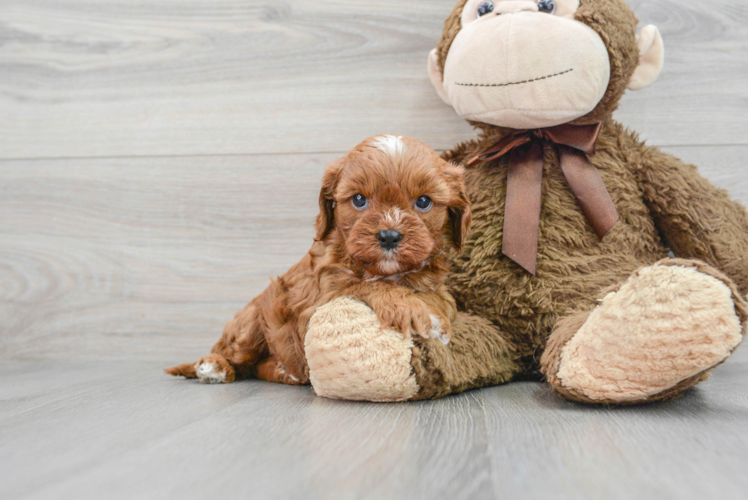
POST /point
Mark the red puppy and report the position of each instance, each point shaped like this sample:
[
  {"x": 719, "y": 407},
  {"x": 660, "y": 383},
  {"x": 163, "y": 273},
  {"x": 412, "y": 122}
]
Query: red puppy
[{"x": 388, "y": 211}]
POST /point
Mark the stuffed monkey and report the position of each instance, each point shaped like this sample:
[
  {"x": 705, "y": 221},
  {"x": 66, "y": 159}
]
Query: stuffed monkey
[{"x": 612, "y": 268}]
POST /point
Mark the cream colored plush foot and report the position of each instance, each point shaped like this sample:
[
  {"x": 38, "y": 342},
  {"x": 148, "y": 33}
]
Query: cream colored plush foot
[
  {"x": 351, "y": 357},
  {"x": 666, "y": 324}
]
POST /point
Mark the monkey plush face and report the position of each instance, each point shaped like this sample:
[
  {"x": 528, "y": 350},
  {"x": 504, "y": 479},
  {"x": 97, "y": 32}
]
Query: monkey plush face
[{"x": 528, "y": 64}]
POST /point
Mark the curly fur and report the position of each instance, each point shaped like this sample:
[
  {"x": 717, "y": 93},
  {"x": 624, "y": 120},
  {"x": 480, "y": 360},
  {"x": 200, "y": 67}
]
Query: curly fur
[{"x": 404, "y": 286}]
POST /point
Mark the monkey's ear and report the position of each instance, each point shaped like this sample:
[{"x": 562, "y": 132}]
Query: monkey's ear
[
  {"x": 326, "y": 218},
  {"x": 436, "y": 76},
  {"x": 651, "y": 58}
]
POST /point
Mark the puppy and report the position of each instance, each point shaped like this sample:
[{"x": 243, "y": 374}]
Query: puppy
[{"x": 389, "y": 210}]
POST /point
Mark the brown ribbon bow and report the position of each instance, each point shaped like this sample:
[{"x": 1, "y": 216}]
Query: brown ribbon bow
[{"x": 524, "y": 185}]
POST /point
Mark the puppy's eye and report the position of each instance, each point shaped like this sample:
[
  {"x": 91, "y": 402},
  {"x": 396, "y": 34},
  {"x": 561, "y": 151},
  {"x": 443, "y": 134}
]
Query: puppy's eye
[
  {"x": 547, "y": 6},
  {"x": 485, "y": 8},
  {"x": 424, "y": 203},
  {"x": 359, "y": 201}
]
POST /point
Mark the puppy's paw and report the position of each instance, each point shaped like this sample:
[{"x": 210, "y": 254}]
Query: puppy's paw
[
  {"x": 421, "y": 320},
  {"x": 214, "y": 369},
  {"x": 407, "y": 317},
  {"x": 440, "y": 329}
]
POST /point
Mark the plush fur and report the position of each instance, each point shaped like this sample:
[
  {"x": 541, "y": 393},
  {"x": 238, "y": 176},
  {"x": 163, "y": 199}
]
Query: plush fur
[
  {"x": 667, "y": 323},
  {"x": 512, "y": 324},
  {"x": 403, "y": 285},
  {"x": 341, "y": 335},
  {"x": 665, "y": 205},
  {"x": 616, "y": 24}
]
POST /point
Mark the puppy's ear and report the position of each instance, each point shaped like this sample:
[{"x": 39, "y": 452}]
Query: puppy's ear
[
  {"x": 326, "y": 218},
  {"x": 459, "y": 220},
  {"x": 459, "y": 210}
]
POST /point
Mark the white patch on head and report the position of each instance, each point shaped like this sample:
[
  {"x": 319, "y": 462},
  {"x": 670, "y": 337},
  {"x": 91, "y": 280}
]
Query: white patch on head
[
  {"x": 210, "y": 374},
  {"x": 389, "y": 266},
  {"x": 393, "y": 218},
  {"x": 390, "y": 144},
  {"x": 436, "y": 329}
]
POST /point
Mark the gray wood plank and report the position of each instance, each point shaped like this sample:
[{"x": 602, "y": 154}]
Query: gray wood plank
[
  {"x": 231, "y": 76},
  {"x": 694, "y": 447},
  {"x": 103, "y": 257},
  {"x": 186, "y": 77},
  {"x": 109, "y": 262},
  {"x": 148, "y": 258},
  {"x": 166, "y": 438},
  {"x": 124, "y": 430},
  {"x": 700, "y": 94},
  {"x": 76, "y": 429}
]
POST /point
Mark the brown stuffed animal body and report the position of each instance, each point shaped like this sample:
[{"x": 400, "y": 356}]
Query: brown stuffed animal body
[{"x": 610, "y": 266}]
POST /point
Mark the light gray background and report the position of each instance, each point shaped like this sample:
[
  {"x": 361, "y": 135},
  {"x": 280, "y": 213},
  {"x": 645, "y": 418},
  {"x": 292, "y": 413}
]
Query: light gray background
[{"x": 159, "y": 160}]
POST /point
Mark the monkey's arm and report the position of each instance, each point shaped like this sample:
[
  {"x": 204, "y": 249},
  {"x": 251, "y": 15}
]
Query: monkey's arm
[{"x": 695, "y": 218}]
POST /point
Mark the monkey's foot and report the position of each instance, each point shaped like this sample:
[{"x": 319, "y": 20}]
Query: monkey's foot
[
  {"x": 351, "y": 357},
  {"x": 661, "y": 332}
]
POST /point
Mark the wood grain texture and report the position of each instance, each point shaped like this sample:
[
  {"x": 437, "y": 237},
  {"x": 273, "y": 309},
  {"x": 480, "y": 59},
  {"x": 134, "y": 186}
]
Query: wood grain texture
[
  {"x": 691, "y": 448},
  {"x": 700, "y": 95},
  {"x": 129, "y": 257},
  {"x": 187, "y": 77},
  {"x": 196, "y": 134},
  {"x": 123, "y": 430}
]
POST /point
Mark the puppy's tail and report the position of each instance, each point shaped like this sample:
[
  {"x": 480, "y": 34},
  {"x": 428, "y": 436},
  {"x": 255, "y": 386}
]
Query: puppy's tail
[{"x": 186, "y": 370}]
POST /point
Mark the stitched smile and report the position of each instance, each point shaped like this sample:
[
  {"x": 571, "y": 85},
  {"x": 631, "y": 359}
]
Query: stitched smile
[{"x": 514, "y": 83}]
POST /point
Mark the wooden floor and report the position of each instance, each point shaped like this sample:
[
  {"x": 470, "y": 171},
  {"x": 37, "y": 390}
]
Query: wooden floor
[
  {"x": 121, "y": 430},
  {"x": 159, "y": 160}
]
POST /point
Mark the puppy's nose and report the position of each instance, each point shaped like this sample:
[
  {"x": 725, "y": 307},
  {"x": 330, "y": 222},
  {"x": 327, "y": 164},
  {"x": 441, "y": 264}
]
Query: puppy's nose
[{"x": 389, "y": 239}]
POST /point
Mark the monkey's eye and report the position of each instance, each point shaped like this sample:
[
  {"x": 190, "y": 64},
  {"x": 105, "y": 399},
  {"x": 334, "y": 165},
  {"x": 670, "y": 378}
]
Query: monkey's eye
[
  {"x": 547, "y": 6},
  {"x": 424, "y": 203},
  {"x": 485, "y": 8},
  {"x": 359, "y": 201}
]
